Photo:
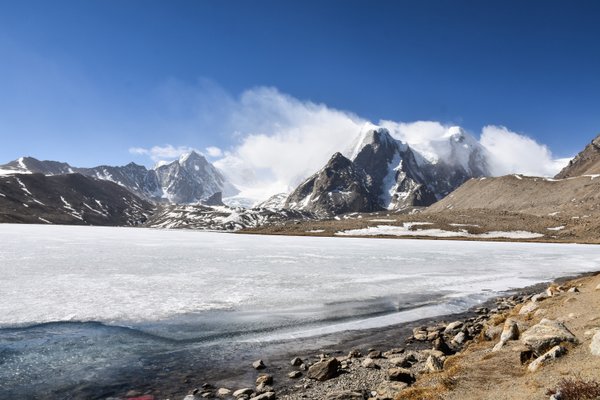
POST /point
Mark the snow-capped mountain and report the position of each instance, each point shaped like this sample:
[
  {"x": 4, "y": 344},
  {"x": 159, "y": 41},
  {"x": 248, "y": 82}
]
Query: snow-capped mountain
[
  {"x": 385, "y": 173},
  {"x": 190, "y": 179}
]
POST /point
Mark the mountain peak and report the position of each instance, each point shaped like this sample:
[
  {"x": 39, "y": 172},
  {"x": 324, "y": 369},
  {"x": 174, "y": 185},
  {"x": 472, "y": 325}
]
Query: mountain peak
[{"x": 191, "y": 156}]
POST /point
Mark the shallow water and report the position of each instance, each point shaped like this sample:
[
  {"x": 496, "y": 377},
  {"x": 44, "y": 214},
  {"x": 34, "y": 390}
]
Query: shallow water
[{"x": 108, "y": 306}]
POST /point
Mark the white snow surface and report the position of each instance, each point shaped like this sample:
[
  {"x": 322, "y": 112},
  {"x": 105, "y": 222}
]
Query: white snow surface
[
  {"x": 130, "y": 275},
  {"x": 405, "y": 230}
]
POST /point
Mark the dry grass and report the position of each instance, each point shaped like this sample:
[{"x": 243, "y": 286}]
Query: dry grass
[{"x": 577, "y": 389}]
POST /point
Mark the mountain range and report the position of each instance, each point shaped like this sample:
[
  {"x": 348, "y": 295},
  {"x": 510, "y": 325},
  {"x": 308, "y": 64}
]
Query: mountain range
[{"x": 191, "y": 179}]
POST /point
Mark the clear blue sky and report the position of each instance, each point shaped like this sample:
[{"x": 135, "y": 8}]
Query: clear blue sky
[{"x": 83, "y": 81}]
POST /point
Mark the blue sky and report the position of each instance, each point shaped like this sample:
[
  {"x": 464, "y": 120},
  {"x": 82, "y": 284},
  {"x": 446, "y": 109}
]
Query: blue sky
[{"x": 87, "y": 81}]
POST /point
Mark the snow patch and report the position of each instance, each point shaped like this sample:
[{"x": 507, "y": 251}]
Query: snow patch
[
  {"x": 556, "y": 228},
  {"x": 388, "y": 230}
]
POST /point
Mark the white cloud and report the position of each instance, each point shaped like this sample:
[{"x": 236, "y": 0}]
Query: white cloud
[
  {"x": 511, "y": 152},
  {"x": 164, "y": 153},
  {"x": 214, "y": 151},
  {"x": 280, "y": 140}
]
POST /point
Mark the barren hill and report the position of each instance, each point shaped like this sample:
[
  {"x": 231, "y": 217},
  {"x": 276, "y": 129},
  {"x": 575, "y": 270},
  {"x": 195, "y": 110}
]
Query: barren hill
[{"x": 575, "y": 197}]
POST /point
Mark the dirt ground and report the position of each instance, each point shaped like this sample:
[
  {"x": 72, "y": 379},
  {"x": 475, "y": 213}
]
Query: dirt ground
[
  {"x": 579, "y": 229},
  {"x": 478, "y": 373}
]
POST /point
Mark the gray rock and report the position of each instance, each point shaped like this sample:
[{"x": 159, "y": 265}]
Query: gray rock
[
  {"x": 389, "y": 390},
  {"x": 222, "y": 392},
  {"x": 552, "y": 354},
  {"x": 243, "y": 392},
  {"x": 324, "y": 370},
  {"x": 259, "y": 364},
  {"x": 369, "y": 363},
  {"x": 294, "y": 374},
  {"x": 265, "y": 396},
  {"x": 528, "y": 308},
  {"x": 355, "y": 353},
  {"x": 434, "y": 364},
  {"x": 440, "y": 345},
  {"x": 401, "y": 375},
  {"x": 264, "y": 379},
  {"x": 573, "y": 290},
  {"x": 452, "y": 326},
  {"x": 345, "y": 395},
  {"x": 296, "y": 361},
  {"x": 459, "y": 338},
  {"x": 375, "y": 354},
  {"x": 545, "y": 335},
  {"x": 405, "y": 361},
  {"x": 595, "y": 344}
]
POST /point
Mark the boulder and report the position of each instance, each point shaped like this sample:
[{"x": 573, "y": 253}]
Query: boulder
[
  {"x": 375, "y": 354},
  {"x": 389, "y": 390},
  {"x": 264, "y": 379},
  {"x": 355, "y": 353},
  {"x": 259, "y": 364},
  {"x": 528, "y": 308},
  {"x": 509, "y": 332},
  {"x": 369, "y": 363},
  {"x": 243, "y": 392},
  {"x": 573, "y": 290},
  {"x": 459, "y": 338},
  {"x": 595, "y": 344},
  {"x": 294, "y": 374},
  {"x": 345, "y": 395},
  {"x": 440, "y": 345},
  {"x": 405, "y": 361},
  {"x": 222, "y": 392},
  {"x": 324, "y": 370},
  {"x": 552, "y": 354},
  {"x": 401, "y": 375},
  {"x": 452, "y": 326},
  {"x": 264, "y": 396},
  {"x": 545, "y": 335},
  {"x": 434, "y": 364},
  {"x": 296, "y": 362}
]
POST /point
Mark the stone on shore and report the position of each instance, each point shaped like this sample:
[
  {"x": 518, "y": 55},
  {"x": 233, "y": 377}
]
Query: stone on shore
[
  {"x": 296, "y": 362},
  {"x": 369, "y": 363},
  {"x": 545, "y": 335},
  {"x": 264, "y": 379},
  {"x": 401, "y": 375},
  {"x": 595, "y": 344},
  {"x": 259, "y": 364},
  {"x": 264, "y": 396},
  {"x": 294, "y": 374},
  {"x": 552, "y": 354},
  {"x": 324, "y": 370},
  {"x": 440, "y": 345},
  {"x": 222, "y": 392},
  {"x": 528, "y": 308},
  {"x": 243, "y": 392},
  {"x": 345, "y": 395},
  {"x": 434, "y": 364},
  {"x": 355, "y": 353},
  {"x": 452, "y": 326},
  {"x": 405, "y": 361},
  {"x": 509, "y": 332}
]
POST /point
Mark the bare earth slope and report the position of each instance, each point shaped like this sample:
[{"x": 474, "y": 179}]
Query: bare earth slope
[{"x": 574, "y": 197}]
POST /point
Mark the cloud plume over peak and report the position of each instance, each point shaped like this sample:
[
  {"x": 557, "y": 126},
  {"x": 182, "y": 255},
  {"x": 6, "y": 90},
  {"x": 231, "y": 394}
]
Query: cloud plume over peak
[{"x": 280, "y": 140}]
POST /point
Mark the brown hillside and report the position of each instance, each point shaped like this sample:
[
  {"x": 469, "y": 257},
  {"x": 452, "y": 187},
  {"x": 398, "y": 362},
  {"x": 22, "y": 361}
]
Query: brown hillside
[
  {"x": 575, "y": 197},
  {"x": 585, "y": 163}
]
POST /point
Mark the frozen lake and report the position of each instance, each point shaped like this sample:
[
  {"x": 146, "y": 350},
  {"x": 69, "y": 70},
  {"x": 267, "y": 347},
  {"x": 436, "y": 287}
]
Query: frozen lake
[{"x": 70, "y": 296}]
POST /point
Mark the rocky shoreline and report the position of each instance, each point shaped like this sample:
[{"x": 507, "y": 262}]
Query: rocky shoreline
[{"x": 419, "y": 364}]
